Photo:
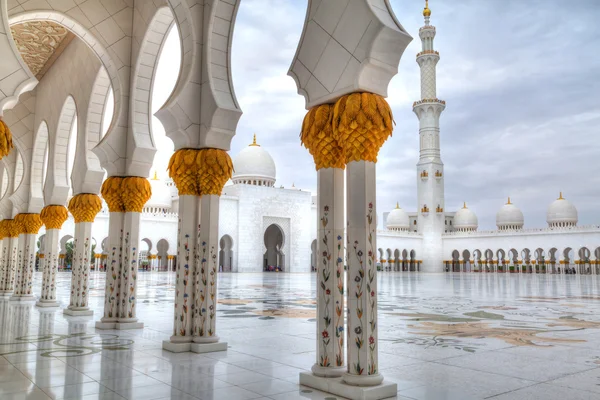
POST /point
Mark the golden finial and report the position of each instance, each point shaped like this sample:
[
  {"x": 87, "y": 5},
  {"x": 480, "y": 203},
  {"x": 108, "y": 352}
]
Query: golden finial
[
  {"x": 561, "y": 198},
  {"x": 509, "y": 200},
  {"x": 155, "y": 178},
  {"x": 464, "y": 204},
  {"x": 254, "y": 141},
  {"x": 426, "y": 10},
  {"x": 397, "y": 206}
]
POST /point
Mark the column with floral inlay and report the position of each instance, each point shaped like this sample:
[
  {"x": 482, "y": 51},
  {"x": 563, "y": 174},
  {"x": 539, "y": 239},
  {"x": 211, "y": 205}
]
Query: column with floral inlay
[
  {"x": 214, "y": 170},
  {"x": 53, "y": 217},
  {"x": 317, "y": 137},
  {"x": 84, "y": 207},
  {"x": 29, "y": 225}
]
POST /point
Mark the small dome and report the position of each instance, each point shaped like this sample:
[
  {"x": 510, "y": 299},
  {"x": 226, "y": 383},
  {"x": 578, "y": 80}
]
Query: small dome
[
  {"x": 397, "y": 220},
  {"x": 254, "y": 166},
  {"x": 465, "y": 219},
  {"x": 561, "y": 213},
  {"x": 161, "y": 194},
  {"x": 509, "y": 217}
]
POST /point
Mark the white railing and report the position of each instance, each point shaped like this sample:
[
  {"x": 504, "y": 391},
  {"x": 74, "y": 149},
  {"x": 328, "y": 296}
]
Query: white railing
[{"x": 521, "y": 232}]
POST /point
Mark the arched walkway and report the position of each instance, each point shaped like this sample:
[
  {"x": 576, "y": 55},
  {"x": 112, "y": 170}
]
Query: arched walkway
[
  {"x": 274, "y": 258},
  {"x": 226, "y": 254}
]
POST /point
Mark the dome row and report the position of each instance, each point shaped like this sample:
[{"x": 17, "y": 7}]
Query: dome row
[{"x": 561, "y": 213}]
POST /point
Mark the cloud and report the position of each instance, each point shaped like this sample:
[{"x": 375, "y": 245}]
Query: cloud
[{"x": 520, "y": 82}]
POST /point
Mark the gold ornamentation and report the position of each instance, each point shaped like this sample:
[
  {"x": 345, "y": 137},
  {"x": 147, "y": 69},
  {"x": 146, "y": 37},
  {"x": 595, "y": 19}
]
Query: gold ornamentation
[
  {"x": 29, "y": 223},
  {"x": 199, "y": 172},
  {"x": 41, "y": 256},
  {"x": 560, "y": 197},
  {"x": 40, "y": 43},
  {"x": 215, "y": 168},
  {"x": 362, "y": 122},
  {"x": 6, "y": 142},
  {"x": 135, "y": 193},
  {"x": 254, "y": 142},
  {"x": 426, "y": 10},
  {"x": 3, "y": 229},
  {"x": 12, "y": 229},
  {"x": 53, "y": 217},
  {"x": 317, "y": 137},
  {"x": 84, "y": 207},
  {"x": 111, "y": 193},
  {"x": 183, "y": 170}
]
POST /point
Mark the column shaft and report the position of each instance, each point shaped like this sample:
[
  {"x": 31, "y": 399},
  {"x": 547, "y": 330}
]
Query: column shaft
[
  {"x": 11, "y": 264},
  {"x": 205, "y": 291},
  {"x": 51, "y": 250},
  {"x": 330, "y": 273},
  {"x": 25, "y": 267},
  {"x": 4, "y": 265},
  {"x": 113, "y": 267},
  {"x": 129, "y": 267},
  {"x": 81, "y": 269},
  {"x": 362, "y": 348},
  {"x": 186, "y": 261}
]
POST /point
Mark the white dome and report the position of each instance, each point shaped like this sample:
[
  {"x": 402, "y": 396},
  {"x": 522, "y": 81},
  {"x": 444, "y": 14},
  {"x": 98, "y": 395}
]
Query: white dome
[
  {"x": 161, "y": 194},
  {"x": 561, "y": 213},
  {"x": 465, "y": 219},
  {"x": 509, "y": 217},
  {"x": 255, "y": 166},
  {"x": 397, "y": 220}
]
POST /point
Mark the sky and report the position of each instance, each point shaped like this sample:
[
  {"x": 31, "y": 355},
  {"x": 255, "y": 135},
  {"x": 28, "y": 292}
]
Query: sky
[{"x": 520, "y": 81}]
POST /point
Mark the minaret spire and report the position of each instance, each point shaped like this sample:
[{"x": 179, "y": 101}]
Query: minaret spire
[
  {"x": 430, "y": 168},
  {"x": 426, "y": 12}
]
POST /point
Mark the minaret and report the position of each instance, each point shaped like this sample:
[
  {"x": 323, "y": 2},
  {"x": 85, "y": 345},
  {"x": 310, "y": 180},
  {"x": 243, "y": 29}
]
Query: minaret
[{"x": 430, "y": 169}]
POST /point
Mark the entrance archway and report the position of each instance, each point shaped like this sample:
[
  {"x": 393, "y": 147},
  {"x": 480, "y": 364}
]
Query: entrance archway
[
  {"x": 274, "y": 258},
  {"x": 226, "y": 254}
]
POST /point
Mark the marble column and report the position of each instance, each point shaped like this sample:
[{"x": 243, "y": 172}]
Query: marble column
[
  {"x": 330, "y": 273},
  {"x": 129, "y": 269},
  {"x": 30, "y": 225},
  {"x": 362, "y": 351},
  {"x": 84, "y": 207},
  {"x": 126, "y": 197},
  {"x": 113, "y": 268},
  {"x": 185, "y": 274},
  {"x": 53, "y": 217},
  {"x": 7, "y": 275},
  {"x": 205, "y": 337},
  {"x": 112, "y": 194},
  {"x": 199, "y": 175}
]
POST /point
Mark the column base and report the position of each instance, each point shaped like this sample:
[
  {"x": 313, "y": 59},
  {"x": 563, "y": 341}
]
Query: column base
[
  {"x": 47, "y": 303},
  {"x": 338, "y": 387},
  {"x": 23, "y": 298},
  {"x": 4, "y": 294},
  {"x": 119, "y": 325},
  {"x": 176, "y": 347},
  {"x": 185, "y": 344},
  {"x": 208, "y": 347},
  {"x": 328, "y": 372},
  {"x": 78, "y": 313}
]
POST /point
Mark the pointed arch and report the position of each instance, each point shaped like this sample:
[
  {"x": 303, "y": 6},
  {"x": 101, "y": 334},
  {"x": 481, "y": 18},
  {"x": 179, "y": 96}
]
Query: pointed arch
[{"x": 39, "y": 163}]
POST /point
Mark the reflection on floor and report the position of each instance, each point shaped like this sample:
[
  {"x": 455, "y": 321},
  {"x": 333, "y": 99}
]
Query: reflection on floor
[{"x": 446, "y": 336}]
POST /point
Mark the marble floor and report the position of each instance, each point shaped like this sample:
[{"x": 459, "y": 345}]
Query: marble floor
[{"x": 442, "y": 336}]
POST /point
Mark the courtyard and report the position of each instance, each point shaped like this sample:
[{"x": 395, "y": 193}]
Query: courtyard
[{"x": 442, "y": 336}]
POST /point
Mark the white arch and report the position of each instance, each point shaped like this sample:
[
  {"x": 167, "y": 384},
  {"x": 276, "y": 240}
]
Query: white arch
[
  {"x": 60, "y": 148},
  {"x": 38, "y": 160}
]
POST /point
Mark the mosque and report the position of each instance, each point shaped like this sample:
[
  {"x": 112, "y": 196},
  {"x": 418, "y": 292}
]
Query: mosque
[{"x": 264, "y": 227}]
